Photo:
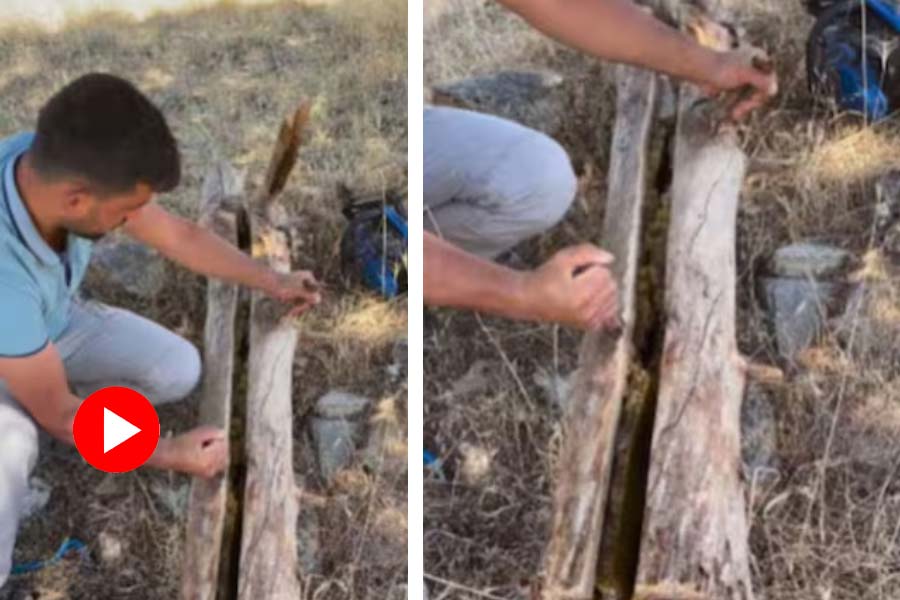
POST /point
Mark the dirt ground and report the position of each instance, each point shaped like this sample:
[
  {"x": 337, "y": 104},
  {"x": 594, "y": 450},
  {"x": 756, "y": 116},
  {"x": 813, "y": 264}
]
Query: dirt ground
[
  {"x": 825, "y": 521},
  {"x": 225, "y": 77}
]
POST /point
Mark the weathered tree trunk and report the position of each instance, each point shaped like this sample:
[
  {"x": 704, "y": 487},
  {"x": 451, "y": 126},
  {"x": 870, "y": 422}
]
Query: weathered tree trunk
[
  {"x": 222, "y": 191},
  {"x": 585, "y": 465},
  {"x": 694, "y": 544},
  {"x": 268, "y": 564}
]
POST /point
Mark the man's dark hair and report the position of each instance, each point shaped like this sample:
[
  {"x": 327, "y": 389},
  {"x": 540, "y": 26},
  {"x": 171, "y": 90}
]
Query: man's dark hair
[{"x": 102, "y": 129}]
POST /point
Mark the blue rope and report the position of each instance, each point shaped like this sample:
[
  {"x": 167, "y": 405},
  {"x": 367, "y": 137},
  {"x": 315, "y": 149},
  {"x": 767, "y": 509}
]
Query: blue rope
[{"x": 68, "y": 545}]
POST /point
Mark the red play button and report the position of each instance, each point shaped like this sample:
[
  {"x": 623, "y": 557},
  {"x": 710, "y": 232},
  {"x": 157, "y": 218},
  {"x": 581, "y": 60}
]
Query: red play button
[{"x": 116, "y": 429}]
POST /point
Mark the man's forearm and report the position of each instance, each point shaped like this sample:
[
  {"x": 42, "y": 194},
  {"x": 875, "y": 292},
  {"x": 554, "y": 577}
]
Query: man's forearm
[
  {"x": 619, "y": 31},
  {"x": 61, "y": 429},
  {"x": 204, "y": 252},
  {"x": 456, "y": 279}
]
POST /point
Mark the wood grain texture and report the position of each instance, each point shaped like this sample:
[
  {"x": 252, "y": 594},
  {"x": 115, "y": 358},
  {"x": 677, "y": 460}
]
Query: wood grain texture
[
  {"x": 585, "y": 465},
  {"x": 268, "y": 559},
  {"x": 694, "y": 543},
  {"x": 207, "y": 503}
]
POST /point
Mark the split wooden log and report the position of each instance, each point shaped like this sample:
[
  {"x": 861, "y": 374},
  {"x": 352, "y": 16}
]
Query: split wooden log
[
  {"x": 268, "y": 562},
  {"x": 585, "y": 464},
  {"x": 222, "y": 192},
  {"x": 694, "y": 544}
]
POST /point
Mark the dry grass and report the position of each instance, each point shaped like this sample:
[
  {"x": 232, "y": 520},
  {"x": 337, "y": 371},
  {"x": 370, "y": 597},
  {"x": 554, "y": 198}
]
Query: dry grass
[
  {"x": 826, "y": 526},
  {"x": 225, "y": 77}
]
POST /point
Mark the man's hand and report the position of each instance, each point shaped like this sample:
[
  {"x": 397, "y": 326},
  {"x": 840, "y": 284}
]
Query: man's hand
[
  {"x": 202, "y": 451},
  {"x": 299, "y": 288},
  {"x": 575, "y": 288},
  {"x": 622, "y": 31},
  {"x": 204, "y": 252},
  {"x": 734, "y": 72}
]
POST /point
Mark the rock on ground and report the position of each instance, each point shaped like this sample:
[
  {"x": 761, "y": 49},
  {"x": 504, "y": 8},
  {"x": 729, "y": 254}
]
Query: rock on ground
[
  {"x": 806, "y": 259},
  {"x": 535, "y": 99},
  {"x": 336, "y": 430},
  {"x": 798, "y": 310},
  {"x": 119, "y": 265},
  {"x": 759, "y": 441}
]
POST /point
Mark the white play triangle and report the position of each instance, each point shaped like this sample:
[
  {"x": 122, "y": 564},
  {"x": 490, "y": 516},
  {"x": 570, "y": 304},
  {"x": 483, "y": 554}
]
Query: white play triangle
[{"x": 116, "y": 430}]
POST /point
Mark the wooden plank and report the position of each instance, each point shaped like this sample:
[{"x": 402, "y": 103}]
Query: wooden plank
[
  {"x": 268, "y": 562},
  {"x": 222, "y": 189},
  {"x": 694, "y": 544},
  {"x": 585, "y": 464}
]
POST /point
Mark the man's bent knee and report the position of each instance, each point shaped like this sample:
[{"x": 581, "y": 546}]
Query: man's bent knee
[
  {"x": 178, "y": 375},
  {"x": 552, "y": 185}
]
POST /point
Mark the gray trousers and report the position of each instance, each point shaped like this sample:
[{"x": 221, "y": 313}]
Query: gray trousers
[
  {"x": 491, "y": 183},
  {"x": 102, "y": 346}
]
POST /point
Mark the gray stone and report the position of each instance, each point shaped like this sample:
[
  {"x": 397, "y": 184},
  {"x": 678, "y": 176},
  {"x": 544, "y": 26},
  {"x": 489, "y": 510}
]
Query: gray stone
[
  {"x": 887, "y": 211},
  {"x": 798, "y": 309},
  {"x": 120, "y": 265},
  {"x": 759, "y": 434},
  {"x": 110, "y": 547},
  {"x": 341, "y": 405},
  {"x": 400, "y": 354},
  {"x": 534, "y": 98},
  {"x": 336, "y": 430},
  {"x": 335, "y": 442},
  {"x": 806, "y": 259},
  {"x": 890, "y": 243},
  {"x": 308, "y": 546}
]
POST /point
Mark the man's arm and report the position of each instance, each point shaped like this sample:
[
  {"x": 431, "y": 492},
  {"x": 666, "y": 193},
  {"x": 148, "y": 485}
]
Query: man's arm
[
  {"x": 204, "y": 252},
  {"x": 38, "y": 382},
  {"x": 621, "y": 31},
  {"x": 574, "y": 287}
]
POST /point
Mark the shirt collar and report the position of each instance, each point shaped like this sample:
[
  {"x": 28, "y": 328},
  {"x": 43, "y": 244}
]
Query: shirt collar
[{"x": 20, "y": 216}]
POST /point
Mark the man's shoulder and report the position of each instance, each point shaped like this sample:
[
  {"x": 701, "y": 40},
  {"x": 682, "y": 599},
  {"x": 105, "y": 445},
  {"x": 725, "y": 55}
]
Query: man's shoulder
[{"x": 16, "y": 143}]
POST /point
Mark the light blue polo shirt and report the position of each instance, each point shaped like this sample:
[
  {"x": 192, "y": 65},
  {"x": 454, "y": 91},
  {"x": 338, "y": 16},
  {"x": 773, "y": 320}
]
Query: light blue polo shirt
[{"x": 37, "y": 284}]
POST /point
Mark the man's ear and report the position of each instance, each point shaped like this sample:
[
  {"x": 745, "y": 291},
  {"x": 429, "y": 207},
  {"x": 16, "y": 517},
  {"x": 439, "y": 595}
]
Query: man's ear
[{"x": 78, "y": 199}]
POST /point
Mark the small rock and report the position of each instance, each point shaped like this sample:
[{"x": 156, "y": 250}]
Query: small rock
[
  {"x": 336, "y": 430},
  {"x": 118, "y": 265},
  {"x": 887, "y": 211},
  {"x": 759, "y": 438},
  {"x": 110, "y": 547},
  {"x": 890, "y": 243},
  {"x": 476, "y": 463},
  {"x": 811, "y": 260},
  {"x": 400, "y": 354},
  {"x": 308, "y": 546},
  {"x": 532, "y": 98},
  {"x": 798, "y": 309},
  {"x": 335, "y": 441},
  {"x": 341, "y": 405}
]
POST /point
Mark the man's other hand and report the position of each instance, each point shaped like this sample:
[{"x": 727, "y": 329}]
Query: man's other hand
[
  {"x": 575, "y": 288},
  {"x": 202, "y": 451},
  {"x": 735, "y": 72},
  {"x": 299, "y": 288}
]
